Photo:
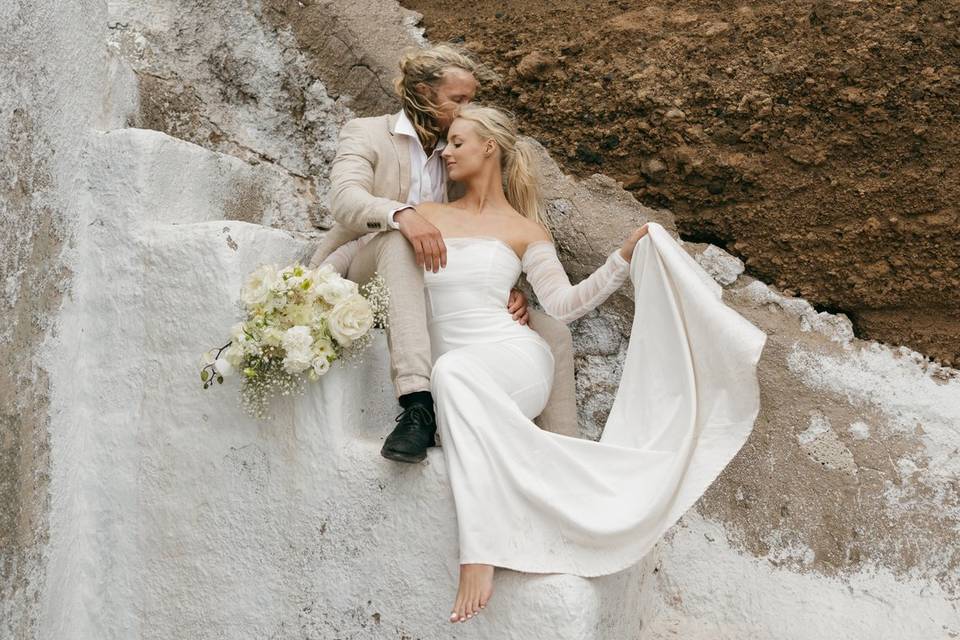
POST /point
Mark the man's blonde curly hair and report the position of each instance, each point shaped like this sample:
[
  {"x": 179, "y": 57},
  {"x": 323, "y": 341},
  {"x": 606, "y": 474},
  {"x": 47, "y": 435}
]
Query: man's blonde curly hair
[{"x": 428, "y": 66}]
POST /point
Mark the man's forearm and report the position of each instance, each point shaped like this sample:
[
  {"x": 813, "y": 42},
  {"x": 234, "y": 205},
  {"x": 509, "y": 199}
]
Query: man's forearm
[{"x": 355, "y": 208}]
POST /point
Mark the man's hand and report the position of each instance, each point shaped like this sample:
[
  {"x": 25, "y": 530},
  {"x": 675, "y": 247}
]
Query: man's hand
[
  {"x": 426, "y": 240},
  {"x": 517, "y": 306}
]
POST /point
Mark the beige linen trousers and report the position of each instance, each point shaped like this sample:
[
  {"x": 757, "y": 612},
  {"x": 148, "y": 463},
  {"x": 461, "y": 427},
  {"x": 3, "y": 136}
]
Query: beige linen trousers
[{"x": 369, "y": 179}]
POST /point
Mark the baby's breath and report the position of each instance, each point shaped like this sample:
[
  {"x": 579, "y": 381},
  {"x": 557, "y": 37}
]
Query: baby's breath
[
  {"x": 377, "y": 294},
  {"x": 265, "y": 378}
]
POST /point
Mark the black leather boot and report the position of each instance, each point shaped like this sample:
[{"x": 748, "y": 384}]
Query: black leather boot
[{"x": 416, "y": 431}]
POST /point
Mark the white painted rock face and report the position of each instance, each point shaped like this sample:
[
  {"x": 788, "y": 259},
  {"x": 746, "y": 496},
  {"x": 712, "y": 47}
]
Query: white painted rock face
[{"x": 188, "y": 518}]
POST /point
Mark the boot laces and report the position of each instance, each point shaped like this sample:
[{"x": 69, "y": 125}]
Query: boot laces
[{"x": 416, "y": 411}]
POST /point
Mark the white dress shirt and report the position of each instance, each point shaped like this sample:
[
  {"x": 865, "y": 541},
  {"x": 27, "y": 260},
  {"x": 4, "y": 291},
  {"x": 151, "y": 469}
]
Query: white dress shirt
[{"x": 428, "y": 176}]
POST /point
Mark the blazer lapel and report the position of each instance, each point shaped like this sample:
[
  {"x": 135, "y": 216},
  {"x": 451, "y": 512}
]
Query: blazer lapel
[{"x": 402, "y": 150}]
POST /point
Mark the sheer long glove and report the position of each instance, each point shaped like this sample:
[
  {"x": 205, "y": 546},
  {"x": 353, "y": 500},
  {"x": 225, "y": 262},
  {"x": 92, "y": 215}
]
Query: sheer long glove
[{"x": 559, "y": 298}]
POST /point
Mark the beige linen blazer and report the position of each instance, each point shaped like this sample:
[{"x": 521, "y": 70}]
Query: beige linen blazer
[{"x": 369, "y": 178}]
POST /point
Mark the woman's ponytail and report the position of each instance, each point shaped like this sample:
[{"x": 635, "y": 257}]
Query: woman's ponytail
[{"x": 523, "y": 181}]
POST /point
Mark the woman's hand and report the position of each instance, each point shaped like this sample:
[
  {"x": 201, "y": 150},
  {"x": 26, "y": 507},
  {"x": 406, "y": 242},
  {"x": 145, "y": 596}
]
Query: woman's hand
[
  {"x": 517, "y": 306},
  {"x": 628, "y": 245}
]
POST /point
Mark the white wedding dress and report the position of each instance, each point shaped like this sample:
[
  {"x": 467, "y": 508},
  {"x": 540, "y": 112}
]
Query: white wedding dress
[{"x": 537, "y": 501}]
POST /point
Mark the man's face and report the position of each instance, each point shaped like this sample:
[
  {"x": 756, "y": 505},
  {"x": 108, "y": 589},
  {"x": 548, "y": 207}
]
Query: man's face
[{"x": 456, "y": 87}]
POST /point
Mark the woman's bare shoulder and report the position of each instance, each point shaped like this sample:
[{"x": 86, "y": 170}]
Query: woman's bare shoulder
[{"x": 534, "y": 232}]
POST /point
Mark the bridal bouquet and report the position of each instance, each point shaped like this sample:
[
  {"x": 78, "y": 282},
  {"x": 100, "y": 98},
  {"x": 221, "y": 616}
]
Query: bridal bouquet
[{"x": 298, "y": 322}]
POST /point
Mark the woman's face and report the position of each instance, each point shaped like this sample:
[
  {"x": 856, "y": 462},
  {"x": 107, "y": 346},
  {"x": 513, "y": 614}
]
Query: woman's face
[{"x": 466, "y": 153}]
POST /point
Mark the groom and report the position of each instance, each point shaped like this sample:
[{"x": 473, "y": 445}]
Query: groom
[{"x": 384, "y": 167}]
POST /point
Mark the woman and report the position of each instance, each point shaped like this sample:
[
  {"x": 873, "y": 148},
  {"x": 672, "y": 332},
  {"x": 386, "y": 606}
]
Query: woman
[
  {"x": 536, "y": 501},
  {"x": 489, "y": 240}
]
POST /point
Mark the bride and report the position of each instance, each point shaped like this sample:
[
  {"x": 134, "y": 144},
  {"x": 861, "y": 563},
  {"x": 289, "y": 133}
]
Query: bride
[
  {"x": 536, "y": 501},
  {"x": 490, "y": 237}
]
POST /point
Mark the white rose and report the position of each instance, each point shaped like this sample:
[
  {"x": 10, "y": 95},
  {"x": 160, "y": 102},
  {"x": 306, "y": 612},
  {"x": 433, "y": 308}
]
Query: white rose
[
  {"x": 336, "y": 290},
  {"x": 257, "y": 288},
  {"x": 324, "y": 273},
  {"x": 350, "y": 319}
]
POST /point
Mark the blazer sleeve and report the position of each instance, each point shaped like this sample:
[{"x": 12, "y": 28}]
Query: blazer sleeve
[
  {"x": 352, "y": 201},
  {"x": 559, "y": 298}
]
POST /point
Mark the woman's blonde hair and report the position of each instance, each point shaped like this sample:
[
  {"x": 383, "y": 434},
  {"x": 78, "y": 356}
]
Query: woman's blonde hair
[
  {"x": 518, "y": 159},
  {"x": 428, "y": 66}
]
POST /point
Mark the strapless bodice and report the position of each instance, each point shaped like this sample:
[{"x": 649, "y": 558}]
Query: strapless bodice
[{"x": 467, "y": 300}]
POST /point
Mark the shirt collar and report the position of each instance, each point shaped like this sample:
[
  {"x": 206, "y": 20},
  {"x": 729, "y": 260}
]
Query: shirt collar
[{"x": 405, "y": 127}]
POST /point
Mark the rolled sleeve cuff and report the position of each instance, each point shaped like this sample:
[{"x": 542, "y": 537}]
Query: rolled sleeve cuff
[{"x": 393, "y": 223}]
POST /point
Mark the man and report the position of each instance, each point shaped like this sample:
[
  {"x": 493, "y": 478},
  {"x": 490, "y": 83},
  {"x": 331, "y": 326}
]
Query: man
[{"x": 384, "y": 167}]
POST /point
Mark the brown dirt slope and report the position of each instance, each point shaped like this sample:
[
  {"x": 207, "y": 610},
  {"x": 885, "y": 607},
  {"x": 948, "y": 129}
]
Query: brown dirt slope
[{"x": 815, "y": 140}]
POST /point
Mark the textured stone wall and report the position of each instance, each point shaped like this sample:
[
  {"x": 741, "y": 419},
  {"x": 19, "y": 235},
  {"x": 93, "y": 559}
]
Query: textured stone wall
[{"x": 55, "y": 86}]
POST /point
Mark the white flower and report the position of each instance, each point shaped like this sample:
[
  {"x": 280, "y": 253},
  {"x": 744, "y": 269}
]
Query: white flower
[
  {"x": 295, "y": 364},
  {"x": 272, "y": 337},
  {"x": 237, "y": 333},
  {"x": 296, "y": 343},
  {"x": 322, "y": 347},
  {"x": 292, "y": 277},
  {"x": 321, "y": 365},
  {"x": 301, "y": 314},
  {"x": 233, "y": 355},
  {"x": 297, "y": 338},
  {"x": 350, "y": 319},
  {"x": 241, "y": 344},
  {"x": 223, "y": 367},
  {"x": 324, "y": 273},
  {"x": 257, "y": 288},
  {"x": 336, "y": 290}
]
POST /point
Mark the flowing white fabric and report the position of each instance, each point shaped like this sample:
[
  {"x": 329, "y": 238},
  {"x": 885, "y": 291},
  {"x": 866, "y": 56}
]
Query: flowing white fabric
[{"x": 541, "y": 502}]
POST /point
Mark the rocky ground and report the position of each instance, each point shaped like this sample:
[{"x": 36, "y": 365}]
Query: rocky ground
[{"x": 814, "y": 140}]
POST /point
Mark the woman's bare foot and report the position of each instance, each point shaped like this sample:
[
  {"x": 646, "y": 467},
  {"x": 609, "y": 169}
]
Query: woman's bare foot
[{"x": 476, "y": 587}]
